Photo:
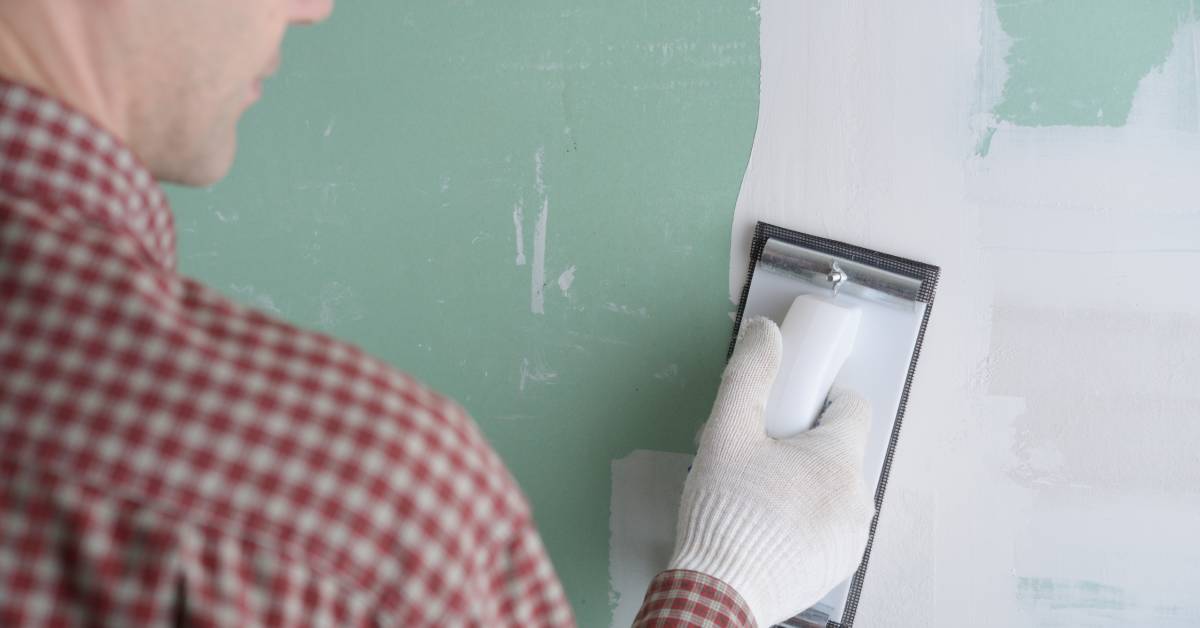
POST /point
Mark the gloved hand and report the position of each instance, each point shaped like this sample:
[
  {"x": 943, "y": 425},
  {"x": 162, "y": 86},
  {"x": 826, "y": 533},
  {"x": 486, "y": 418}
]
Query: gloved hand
[{"x": 781, "y": 521}]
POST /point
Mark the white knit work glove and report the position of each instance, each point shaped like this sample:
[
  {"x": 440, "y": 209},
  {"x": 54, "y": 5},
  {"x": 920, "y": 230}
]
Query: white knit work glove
[{"x": 781, "y": 521}]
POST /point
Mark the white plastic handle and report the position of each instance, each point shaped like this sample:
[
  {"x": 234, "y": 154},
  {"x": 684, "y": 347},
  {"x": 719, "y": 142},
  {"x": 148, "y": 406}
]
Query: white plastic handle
[{"x": 818, "y": 336}]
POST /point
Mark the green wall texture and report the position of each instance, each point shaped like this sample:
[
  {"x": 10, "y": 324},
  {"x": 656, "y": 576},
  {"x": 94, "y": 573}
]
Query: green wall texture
[
  {"x": 1079, "y": 62},
  {"x": 373, "y": 198}
]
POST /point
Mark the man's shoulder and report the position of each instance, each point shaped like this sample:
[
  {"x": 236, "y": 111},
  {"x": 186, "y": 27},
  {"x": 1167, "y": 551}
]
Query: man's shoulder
[{"x": 134, "y": 378}]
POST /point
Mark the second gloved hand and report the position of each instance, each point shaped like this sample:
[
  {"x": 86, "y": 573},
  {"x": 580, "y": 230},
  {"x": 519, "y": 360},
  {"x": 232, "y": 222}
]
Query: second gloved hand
[{"x": 781, "y": 521}]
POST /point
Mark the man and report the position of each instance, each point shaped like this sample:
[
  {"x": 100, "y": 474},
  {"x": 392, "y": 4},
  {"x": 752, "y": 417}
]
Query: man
[{"x": 170, "y": 457}]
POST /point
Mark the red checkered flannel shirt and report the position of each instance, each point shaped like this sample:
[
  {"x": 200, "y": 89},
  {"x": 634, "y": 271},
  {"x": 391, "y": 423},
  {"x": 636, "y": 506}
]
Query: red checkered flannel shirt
[
  {"x": 682, "y": 598},
  {"x": 168, "y": 456}
]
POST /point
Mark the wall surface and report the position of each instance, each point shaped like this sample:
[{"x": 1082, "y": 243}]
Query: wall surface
[{"x": 529, "y": 207}]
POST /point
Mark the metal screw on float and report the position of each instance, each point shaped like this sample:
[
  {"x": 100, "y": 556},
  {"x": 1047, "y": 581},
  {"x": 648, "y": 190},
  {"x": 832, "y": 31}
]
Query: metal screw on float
[{"x": 836, "y": 276}]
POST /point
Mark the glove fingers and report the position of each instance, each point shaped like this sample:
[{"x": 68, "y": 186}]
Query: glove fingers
[
  {"x": 746, "y": 383},
  {"x": 845, "y": 421}
]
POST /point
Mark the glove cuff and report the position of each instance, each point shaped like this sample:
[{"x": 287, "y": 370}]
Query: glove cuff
[{"x": 731, "y": 538}]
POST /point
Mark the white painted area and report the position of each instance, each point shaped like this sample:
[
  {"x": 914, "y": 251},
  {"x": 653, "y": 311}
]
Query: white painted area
[
  {"x": 1059, "y": 365},
  {"x": 1169, "y": 96},
  {"x": 646, "y": 489},
  {"x": 1101, "y": 169},
  {"x": 992, "y": 69}
]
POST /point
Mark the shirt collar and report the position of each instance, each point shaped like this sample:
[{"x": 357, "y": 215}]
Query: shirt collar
[{"x": 57, "y": 156}]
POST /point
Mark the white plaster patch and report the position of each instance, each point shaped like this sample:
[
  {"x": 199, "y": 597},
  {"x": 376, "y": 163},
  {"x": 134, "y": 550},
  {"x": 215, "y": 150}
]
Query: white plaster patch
[
  {"x": 646, "y": 490},
  {"x": 1143, "y": 545},
  {"x": 519, "y": 226},
  {"x": 864, "y": 128},
  {"x": 566, "y": 279},
  {"x": 863, "y": 125},
  {"x": 993, "y": 69},
  {"x": 538, "y": 274},
  {"x": 1062, "y": 167},
  {"x": 1111, "y": 400},
  {"x": 1169, "y": 96}
]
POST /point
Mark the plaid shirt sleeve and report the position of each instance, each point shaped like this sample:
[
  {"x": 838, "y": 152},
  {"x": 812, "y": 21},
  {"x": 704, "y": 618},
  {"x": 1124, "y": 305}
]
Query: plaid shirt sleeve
[
  {"x": 170, "y": 457},
  {"x": 680, "y": 598}
]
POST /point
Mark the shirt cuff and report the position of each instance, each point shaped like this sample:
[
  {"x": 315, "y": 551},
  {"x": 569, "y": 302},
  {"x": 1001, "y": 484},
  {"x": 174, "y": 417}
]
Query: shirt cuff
[{"x": 679, "y": 597}]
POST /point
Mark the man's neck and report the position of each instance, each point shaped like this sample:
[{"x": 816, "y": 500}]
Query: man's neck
[{"x": 56, "y": 57}]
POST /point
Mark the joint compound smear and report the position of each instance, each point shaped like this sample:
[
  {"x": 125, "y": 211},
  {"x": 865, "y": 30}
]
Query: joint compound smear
[
  {"x": 538, "y": 280},
  {"x": 519, "y": 225}
]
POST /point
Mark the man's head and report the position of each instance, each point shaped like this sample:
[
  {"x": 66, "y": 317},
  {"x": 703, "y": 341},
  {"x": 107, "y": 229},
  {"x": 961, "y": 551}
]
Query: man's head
[{"x": 170, "y": 78}]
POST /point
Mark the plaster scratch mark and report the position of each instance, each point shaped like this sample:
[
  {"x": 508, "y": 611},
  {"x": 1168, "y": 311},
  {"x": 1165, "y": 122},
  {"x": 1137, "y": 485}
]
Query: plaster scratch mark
[
  {"x": 514, "y": 417},
  {"x": 538, "y": 304},
  {"x": 337, "y": 303},
  {"x": 260, "y": 300},
  {"x": 639, "y": 312},
  {"x": 671, "y": 372},
  {"x": 538, "y": 280},
  {"x": 601, "y": 339},
  {"x": 566, "y": 279},
  {"x": 539, "y": 162},
  {"x": 536, "y": 372},
  {"x": 518, "y": 224},
  {"x": 329, "y": 128}
]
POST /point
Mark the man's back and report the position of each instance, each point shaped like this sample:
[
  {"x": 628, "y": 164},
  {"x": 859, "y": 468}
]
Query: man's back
[{"x": 167, "y": 455}]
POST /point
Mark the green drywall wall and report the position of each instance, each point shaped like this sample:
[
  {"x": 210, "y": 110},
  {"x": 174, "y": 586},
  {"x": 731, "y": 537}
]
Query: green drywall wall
[
  {"x": 373, "y": 198},
  {"x": 1078, "y": 62}
]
